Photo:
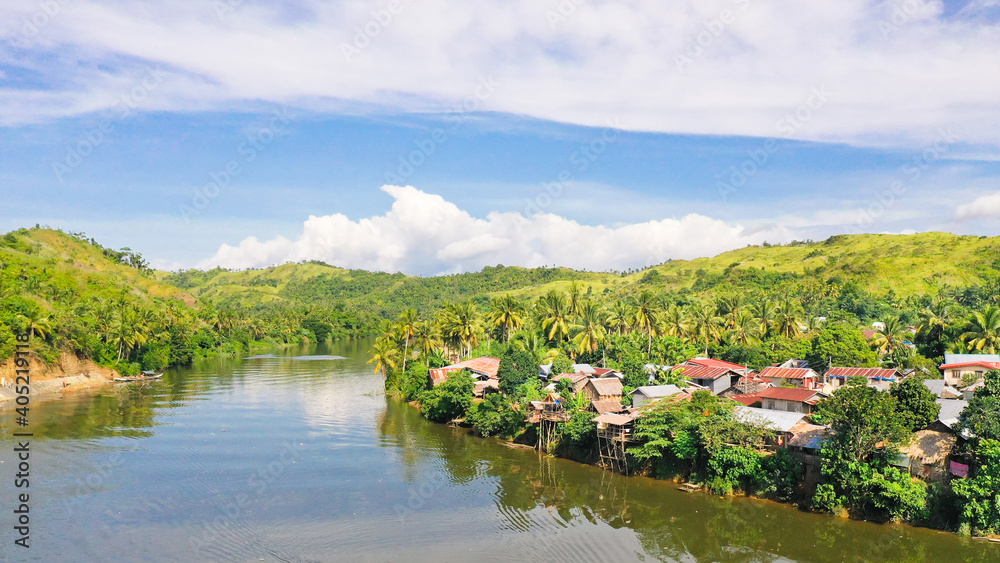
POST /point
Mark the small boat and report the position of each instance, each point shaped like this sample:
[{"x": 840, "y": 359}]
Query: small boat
[{"x": 144, "y": 376}]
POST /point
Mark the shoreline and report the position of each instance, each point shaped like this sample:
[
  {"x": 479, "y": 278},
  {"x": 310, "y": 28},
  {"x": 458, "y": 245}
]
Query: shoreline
[{"x": 68, "y": 374}]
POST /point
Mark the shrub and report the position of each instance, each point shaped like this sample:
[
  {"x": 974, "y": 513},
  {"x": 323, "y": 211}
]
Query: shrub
[
  {"x": 449, "y": 400},
  {"x": 495, "y": 417},
  {"x": 580, "y": 430},
  {"x": 781, "y": 474}
]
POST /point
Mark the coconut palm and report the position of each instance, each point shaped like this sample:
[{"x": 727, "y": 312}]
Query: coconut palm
[
  {"x": 729, "y": 307},
  {"x": 644, "y": 306},
  {"x": 706, "y": 325},
  {"x": 592, "y": 333},
  {"x": 556, "y": 322},
  {"x": 744, "y": 329},
  {"x": 889, "y": 339},
  {"x": 786, "y": 318},
  {"x": 34, "y": 321},
  {"x": 983, "y": 333},
  {"x": 674, "y": 322},
  {"x": 383, "y": 354},
  {"x": 506, "y": 314},
  {"x": 934, "y": 320},
  {"x": 406, "y": 325},
  {"x": 619, "y": 317},
  {"x": 461, "y": 323},
  {"x": 426, "y": 338},
  {"x": 764, "y": 310}
]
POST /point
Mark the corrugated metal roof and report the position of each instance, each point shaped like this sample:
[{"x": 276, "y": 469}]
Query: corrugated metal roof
[
  {"x": 867, "y": 373},
  {"x": 658, "y": 390},
  {"x": 607, "y": 406},
  {"x": 484, "y": 365},
  {"x": 782, "y": 421},
  {"x": 791, "y": 394},
  {"x": 616, "y": 419},
  {"x": 703, "y": 372},
  {"x": 713, "y": 363},
  {"x": 788, "y": 373},
  {"x": 964, "y": 358}
]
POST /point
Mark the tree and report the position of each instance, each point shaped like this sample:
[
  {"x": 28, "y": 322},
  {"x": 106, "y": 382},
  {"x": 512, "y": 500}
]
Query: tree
[
  {"x": 890, "y": 339},
  {"x": 861, "y": 418},
  {"x": 620, "y": 317},
  {"x": 383, "y": 354},
  {"x": 35, "y": 321},
  {"x": 407, "y": 327},
  {"x": 983, "y": 333},
  {"x": 915, "y": 403},
  {"x": 706, "y": 326},
  {"x": 839, "y": 344},
  {"x": 506, "y": 314},
  {"x": 556, "y": 321},
  {"x": 516, "y": 367},
  {"x": 981, "y": 416},
  {"x": 591, "y": 334},
  {"x": 979, "y": 495},
  {"x": 645, "y": 316},
  {"x": 495, "y": 416},
  {"x": 449, "y": 400}
]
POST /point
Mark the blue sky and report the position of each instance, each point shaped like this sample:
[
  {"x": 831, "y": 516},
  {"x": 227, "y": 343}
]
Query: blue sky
[{"x": 895, "y": 130}]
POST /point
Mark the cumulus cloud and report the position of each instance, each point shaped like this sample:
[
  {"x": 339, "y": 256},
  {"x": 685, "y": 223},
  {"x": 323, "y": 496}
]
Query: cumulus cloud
[
  {"x": 424, "y": 234},
  {"x": 897, "y": 71},
  {"x": 982, "y": 207}
]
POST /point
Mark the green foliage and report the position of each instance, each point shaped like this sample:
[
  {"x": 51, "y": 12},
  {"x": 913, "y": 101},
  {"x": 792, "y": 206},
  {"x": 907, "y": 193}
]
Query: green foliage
[
  {"x": 495, "y": 416},
  {"x": 562, "y": 364},
  {"x": 781, "y": 474},
  {"x": 838, "y": 344},
  {"x": 826, "y": 499},
  {"x": 516, "y": 367},
  {"x": 8, "y": 342},
  {"x": 414, "y": 382},
  {"x": 737, "y": 467},
  {"x": 861, "y": 417},
  {"x": 580, "y": 430},
  {"x": 979, "y": 495},
  {"x": 915, "y": 403},
  {"x": 982, "y": 415},
  {"x": 449, "y": 400}
]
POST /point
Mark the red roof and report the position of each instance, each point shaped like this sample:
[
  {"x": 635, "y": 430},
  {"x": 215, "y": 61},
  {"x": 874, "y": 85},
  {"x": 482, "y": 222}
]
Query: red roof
[
  {"x": 705, "y": 372},
  {"x": 867, "y": 373},
  {"x": 601, "y": 372},
  {"x": 987, "y": 365},
  {"x": 748, "y": 399},
  {"x": 791, "y": 394},
  {"x": 712, "y": 363},
  {"x": 484, "y": 365},
  {"x": 787, "y": 373}
]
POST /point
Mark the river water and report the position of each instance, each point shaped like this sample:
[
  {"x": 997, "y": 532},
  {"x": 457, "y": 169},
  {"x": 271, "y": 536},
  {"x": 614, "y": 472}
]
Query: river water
[{"x": 281, "y": 459}]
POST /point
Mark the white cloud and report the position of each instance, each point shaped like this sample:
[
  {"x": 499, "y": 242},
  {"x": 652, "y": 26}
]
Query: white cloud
[
  {"x": 982, "y": 207},
  {"x": 896, "y": 78},
  {"x": 425, "y": 234}
]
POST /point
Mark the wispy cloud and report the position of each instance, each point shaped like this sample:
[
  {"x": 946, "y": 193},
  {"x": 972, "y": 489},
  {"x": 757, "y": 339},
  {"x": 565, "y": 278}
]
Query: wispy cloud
[
  {"x": 606, "y": 58},
  {"x": 425, "y": 234}
]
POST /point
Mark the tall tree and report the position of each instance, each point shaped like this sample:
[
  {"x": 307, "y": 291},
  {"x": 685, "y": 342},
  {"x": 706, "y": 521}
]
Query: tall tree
[
  {"x": 506, "y": 314},
  {"x": 591, "y": 334},
  {"x": 645, "y": 316},
  {"x": 406, "y": 326},
  {"x": 983, "y": 333}
]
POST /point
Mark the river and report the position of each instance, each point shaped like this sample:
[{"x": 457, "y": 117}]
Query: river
[{"x": 304, "y": 459}]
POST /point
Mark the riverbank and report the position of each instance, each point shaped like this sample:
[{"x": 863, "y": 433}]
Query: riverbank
[{"x": 69, "y": 374}]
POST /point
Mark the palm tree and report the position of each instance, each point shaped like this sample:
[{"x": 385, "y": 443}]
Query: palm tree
[
  {"x": 786, "y": 318},
  {"x": 983, "y": 333},
  {"x": 675, "y": 322},
  {"x": 555, "y": 322},
  {"x": 384, "y": 353},
  {"x": 531, "y": 342},
  {"x": 934, "y": 320},
  {"x": 506, "y": 314},
  {"x": 619, "y": 317},
  {"x": 461, "y": 324},
  {"x": 729, "y": 307},
  {"x": 575, "y": 299},
  {"x": 34, "y": 321},
  {"x": 406, "y": 324},
  {"x": 426, "y": 337},
  {"x": 889, "y": 339},
  {"x": 764, "y": 310},
  {"x": 745, "y": 328},
  {"x": 592, "y": 333},
  {"x": 645, "y": 317},
  {"x": 706, "y": 325}
]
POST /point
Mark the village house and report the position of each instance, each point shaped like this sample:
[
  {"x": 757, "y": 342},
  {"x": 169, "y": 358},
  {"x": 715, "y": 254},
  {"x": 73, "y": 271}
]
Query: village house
[
  {"x": 579, "y": 380},
  {"x": 790, "y": 399},
  {"x": 941, "y": 389},
  {"x": 927, "y": 455},
  {"x": 781, "y": 422},
  {"x": 713, "y": 378},
  {"x": 608, "y": 389},
  {"x": 798, "y": 377},
  {"x": 951, "y": 409},
  {"x": 962, "y": 369},
  {"x": 482, "y": 368},
  {"x": 608, "y": 372},
  {"x": 647, "y": 394},
  {"x": 712, "y": 363},
  {"x": 838, "y": 376}
]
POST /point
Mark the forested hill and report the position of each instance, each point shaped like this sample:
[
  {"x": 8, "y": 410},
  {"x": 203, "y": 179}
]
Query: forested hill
[{"x": 108, "y": 304}]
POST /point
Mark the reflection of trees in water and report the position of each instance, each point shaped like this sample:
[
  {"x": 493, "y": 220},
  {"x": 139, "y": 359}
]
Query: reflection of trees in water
[
  {"x": 126, "y": 410},
  {"x": 534, "y": 491}
]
